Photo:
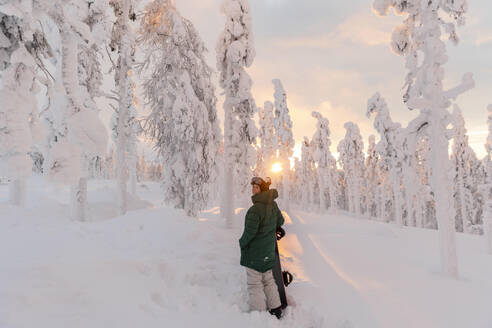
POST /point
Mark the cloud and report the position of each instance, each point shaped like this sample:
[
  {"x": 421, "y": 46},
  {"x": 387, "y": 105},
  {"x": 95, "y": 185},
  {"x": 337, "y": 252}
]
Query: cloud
[{"x": 362, "y": 28}]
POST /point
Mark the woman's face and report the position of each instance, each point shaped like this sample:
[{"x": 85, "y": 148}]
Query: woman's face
[{"x": 255, "y": 189}]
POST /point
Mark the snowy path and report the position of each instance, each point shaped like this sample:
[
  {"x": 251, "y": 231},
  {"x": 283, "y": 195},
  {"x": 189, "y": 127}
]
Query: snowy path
[
  {"x": 319, "y": 281},
  {"x": 370, "y": 274}
]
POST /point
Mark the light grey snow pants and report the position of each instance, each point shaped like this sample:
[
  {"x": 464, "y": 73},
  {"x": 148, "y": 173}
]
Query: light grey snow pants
[{"x": 259, "y": 286}]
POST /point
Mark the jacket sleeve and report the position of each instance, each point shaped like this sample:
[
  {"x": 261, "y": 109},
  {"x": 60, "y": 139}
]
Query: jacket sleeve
[
  {"x": 280, "y": 217},
  {"x": 251, "y": 224}
]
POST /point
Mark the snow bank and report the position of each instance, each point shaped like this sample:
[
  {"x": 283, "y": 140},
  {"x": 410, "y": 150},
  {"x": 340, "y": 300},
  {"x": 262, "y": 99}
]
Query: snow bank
[
  {"x": 150, "y": 268},
  {"x": 155, "y": 267}
]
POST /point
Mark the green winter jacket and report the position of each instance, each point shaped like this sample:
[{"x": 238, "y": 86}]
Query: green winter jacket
[{"x": 258, "y": 240}]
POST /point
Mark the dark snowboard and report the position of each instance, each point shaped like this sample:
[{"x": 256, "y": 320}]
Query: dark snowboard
[
  {"x": 282, "y": 278},
  {"x": 278, "y": 276}
]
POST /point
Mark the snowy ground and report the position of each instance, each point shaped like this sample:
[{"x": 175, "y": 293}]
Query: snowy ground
[{"x": 154, "y": 267}]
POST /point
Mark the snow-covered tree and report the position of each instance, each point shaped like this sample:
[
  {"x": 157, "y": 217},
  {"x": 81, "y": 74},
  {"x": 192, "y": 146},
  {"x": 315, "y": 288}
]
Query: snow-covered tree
[
  {"x": 384, "y": 189},
  {"x": 425, "y": 212},
  {"x": 22, "y": 45},
  {"x": 420, "y": 41},
  {"x": 373, "y": 194},
  {"x": 463, "y": 158},
  {"x": 19, "y": 125},
  {"x": 131, "y": 129},
  {"x": 19, "y": 28},
  {"x": 352, "y": 160},
  {"x": 123, "y": 41},
  {"x": 486, "y": 191},
  {"x": 297, "y": 189},
  {"x": 411, "y": 183},
  {"x": 388, "y": 148},
  {"x": 307, "y": 174},
  {"x": 327, "y": 164},
  {"x": 267, "y": 150},
  {"x": 284, "y": 137},
  {"x": 488, "y": 148},
  {"x": 486, "y": 188},
  {"x": 85, "y": 136},
  {"x": 235, "y": 52},
  {"x": 179, "y": 92}
]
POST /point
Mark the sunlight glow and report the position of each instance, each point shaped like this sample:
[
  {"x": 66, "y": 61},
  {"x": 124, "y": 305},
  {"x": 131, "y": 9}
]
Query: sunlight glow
[{"x": 277, "y": 167}]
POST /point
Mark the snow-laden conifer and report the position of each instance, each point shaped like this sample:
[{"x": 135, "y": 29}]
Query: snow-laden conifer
[
  {"x": 486, "y": 191},
  {"x": 22, "y": 45},
  {"x": 488, "y": 225},
  {"x": 320, "y": 144},
  {"x": 183, "y": 120},
  {"x": 420, "y": 41},
  {"x": 307, "y": 175},
  {"x": 19, "y": 124},
  {"x": 267, "y": 150},
  {"x": 284, "y": 137},
  {"x": 84, "y": 135},
  {"x": 374, "y": 196},
  {"x": 388, "y": 148},
  {"x": 488, "y": 148},
  {"x": 425, "y": 210},
  {"x": 464, "y": 159},
  {"x": 408, "y": 140},
  {"x": 235, "y": 52},
  {"x": 352, "y": 160},
  {"x": 486, "y": 188}
]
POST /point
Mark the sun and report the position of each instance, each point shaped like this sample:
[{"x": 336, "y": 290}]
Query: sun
[{"x": 277, "y": 167}]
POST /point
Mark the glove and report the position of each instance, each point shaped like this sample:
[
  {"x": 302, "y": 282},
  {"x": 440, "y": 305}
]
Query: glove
[
  {"x": 287, "y": 278},
  {"x": 280, "y": 233}
]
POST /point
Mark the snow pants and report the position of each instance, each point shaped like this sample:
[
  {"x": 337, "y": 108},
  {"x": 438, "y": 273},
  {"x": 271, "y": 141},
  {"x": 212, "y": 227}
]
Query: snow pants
[{"x": 261, "y": 285}]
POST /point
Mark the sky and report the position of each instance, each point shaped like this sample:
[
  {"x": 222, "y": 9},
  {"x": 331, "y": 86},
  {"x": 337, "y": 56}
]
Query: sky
[{"x": 333, "y": 55}]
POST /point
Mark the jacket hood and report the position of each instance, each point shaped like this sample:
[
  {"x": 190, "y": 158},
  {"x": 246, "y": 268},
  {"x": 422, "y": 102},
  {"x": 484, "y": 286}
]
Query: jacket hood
[{"x": 265, "y": 197}]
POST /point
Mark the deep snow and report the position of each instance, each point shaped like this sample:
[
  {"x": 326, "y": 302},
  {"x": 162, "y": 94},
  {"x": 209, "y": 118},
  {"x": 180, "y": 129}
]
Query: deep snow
[{"x": 154, "y": 267}]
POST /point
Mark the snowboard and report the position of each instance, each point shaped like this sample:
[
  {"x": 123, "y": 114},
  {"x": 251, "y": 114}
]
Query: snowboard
[{"x": 282, "y": 278}]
